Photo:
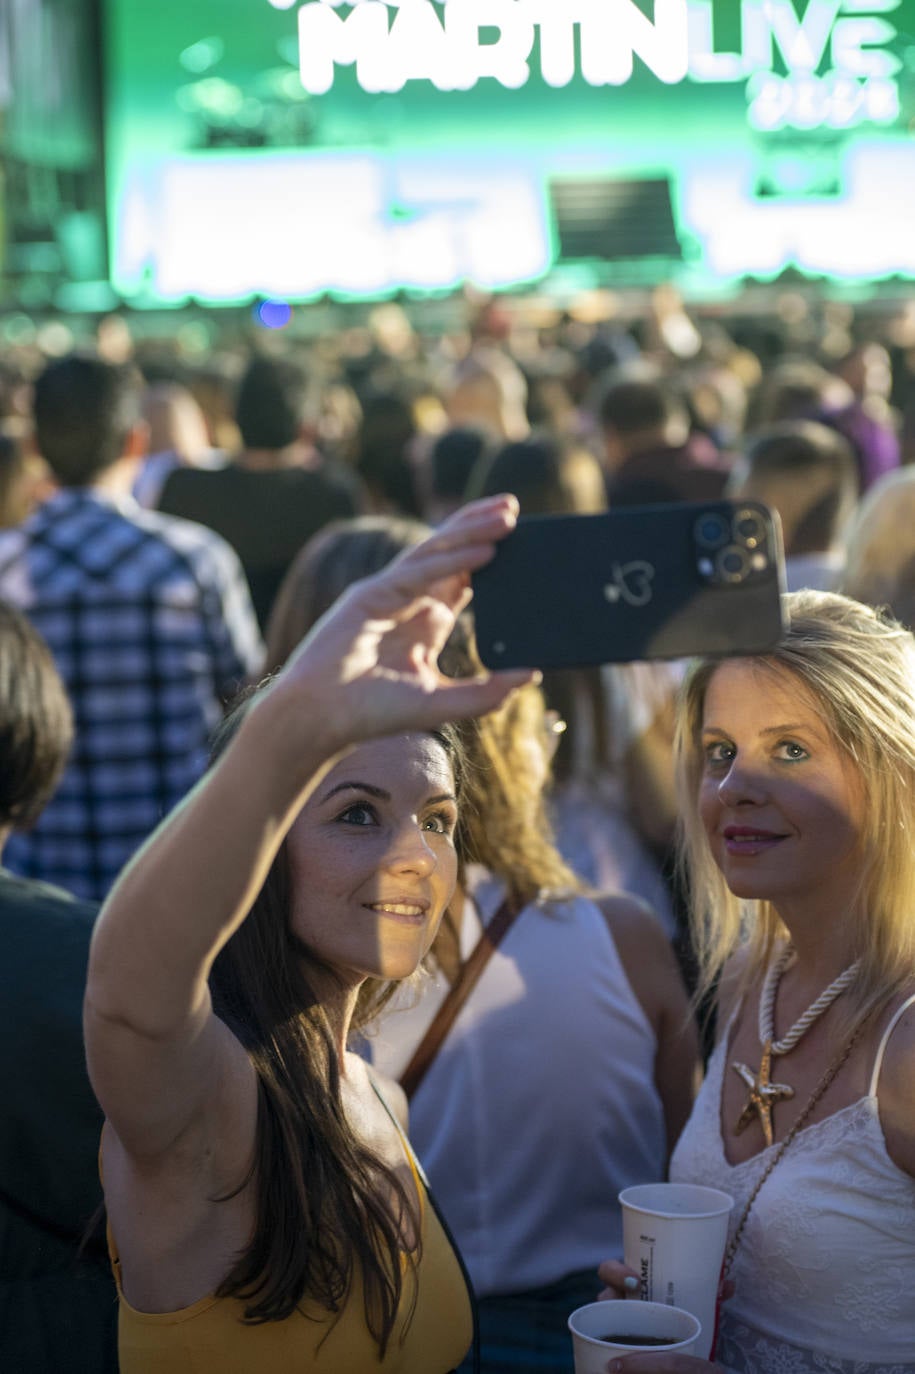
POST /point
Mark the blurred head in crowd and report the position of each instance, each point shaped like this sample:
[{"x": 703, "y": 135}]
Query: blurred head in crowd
[
  {"x": 488, "y": 389},
  {"x": 548, "y": 476},
  {"x": 213, "y": 387},
  {"x": 87, "y": 415},
  {"x": 446, "y": 473},
  {"x": 638, "y": 414},
  {"x": 597, "y": 351},
  {"x": 808, "y": 474},
  {"x": 867, "y": 370},
  {"x": 718, "y": 393},
  {"x": 275, "y": 404},
  {"x": 339, "y": 417},
  {"x": 384, "y": 457},
  {"x": 796, "y": 389},
  {"x": 176, "y": 422},
  {"x": 36, "y": 723},
  {"x": 550, "y": 404}
]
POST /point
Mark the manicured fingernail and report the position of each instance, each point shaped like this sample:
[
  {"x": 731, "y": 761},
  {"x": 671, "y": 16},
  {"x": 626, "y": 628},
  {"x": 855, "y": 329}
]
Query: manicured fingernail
[
  {"x": 630, "y": 1283},
  {"x": 615, "y": 1366}
]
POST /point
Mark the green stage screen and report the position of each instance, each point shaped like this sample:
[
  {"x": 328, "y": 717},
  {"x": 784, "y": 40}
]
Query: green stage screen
[{"x": 297, "y": 148}]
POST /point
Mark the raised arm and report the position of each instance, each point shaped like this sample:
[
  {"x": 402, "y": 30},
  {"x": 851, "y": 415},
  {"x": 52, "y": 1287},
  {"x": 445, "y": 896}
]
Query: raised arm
[{"x": 158, "y": 1057}]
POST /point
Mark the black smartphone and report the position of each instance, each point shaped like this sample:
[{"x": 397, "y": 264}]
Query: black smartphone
[{"x": 644, "y": 582}]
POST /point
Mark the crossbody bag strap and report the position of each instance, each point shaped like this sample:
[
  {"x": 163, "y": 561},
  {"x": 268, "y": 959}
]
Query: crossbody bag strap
[{"x": 460, "y": 990}]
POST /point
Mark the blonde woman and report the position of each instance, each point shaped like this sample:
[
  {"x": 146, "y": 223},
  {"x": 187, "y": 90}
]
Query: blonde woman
[{"x": 798, "y": 795}]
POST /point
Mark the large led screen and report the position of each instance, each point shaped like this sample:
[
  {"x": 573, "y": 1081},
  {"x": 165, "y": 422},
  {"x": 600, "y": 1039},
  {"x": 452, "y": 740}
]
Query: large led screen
[{"x": 297, "y": 148}]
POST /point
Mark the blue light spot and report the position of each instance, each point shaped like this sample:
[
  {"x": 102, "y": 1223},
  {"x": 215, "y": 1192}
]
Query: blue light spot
[{"x": 273, "y": 314}]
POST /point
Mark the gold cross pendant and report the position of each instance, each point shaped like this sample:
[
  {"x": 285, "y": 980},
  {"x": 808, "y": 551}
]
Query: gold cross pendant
[{"x": 763, "y": 1095}]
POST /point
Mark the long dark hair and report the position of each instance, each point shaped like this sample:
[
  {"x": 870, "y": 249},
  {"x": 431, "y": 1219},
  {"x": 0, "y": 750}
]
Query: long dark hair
[{"x": 323, "y": 1208}]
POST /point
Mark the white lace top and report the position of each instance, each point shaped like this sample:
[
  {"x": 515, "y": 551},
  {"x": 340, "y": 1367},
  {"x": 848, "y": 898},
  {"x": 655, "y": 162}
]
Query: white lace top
[{"x": 825, "y": 1272}]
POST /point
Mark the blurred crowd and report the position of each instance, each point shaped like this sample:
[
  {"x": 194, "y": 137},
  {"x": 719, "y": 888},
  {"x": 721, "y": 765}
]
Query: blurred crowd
[{"x": 173, "y": 523}]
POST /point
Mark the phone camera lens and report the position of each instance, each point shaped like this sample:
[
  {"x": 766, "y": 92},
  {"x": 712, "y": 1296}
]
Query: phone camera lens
[
  {"x": 712, "y": 530},
  {"x": 733, "y": 563},
  {"x": 749, "y": 528}
]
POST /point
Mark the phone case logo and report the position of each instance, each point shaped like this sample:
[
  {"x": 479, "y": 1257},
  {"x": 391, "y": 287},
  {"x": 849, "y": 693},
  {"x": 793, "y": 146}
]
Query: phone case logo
[{"x": 631, "y": 583}]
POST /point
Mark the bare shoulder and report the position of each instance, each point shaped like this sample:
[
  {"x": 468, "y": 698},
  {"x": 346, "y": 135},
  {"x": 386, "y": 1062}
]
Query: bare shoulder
[
  {"x": 896, "y": 1089},
  {"x": 646, "y": 954},
  {"x": 653, "y": 973},
  {"x": 633, "y": 925}
]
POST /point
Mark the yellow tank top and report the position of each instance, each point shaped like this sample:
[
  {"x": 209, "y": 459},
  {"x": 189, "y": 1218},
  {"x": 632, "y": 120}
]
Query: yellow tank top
[{"x": 210, "y": 1336}]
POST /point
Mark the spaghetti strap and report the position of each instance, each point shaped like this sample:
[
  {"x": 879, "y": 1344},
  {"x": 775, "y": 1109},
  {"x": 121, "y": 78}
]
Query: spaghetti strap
[
  {"x": 416, "y": 1169},
  {"x": 885, "y": 1040}
]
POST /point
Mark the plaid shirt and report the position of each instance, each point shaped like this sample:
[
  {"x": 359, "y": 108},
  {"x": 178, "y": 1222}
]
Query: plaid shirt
[{"x": 151, "y": 626}]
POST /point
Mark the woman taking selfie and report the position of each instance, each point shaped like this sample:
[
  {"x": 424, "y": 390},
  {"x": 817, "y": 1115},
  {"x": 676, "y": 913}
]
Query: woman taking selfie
[
  {"x": 798, "y": 773},
  {"x": 264, "y": 1210},
  {"x": 540, "y": 1003}
]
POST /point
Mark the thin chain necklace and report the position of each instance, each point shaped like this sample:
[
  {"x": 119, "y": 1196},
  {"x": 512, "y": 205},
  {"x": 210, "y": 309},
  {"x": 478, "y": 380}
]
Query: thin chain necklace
[{"x": 763, "y": 1094}]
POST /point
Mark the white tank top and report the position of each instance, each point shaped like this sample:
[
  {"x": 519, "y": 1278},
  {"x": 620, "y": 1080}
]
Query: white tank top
[
  {"x": 540, "y": 1105},
  {"x": 825, "y": 1272}
]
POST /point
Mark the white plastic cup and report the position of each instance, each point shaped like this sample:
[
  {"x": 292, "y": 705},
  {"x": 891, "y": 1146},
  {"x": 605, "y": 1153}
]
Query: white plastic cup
[
  {"x": 674, "y": 1235},
  {"x": 600, "y": 1328}
]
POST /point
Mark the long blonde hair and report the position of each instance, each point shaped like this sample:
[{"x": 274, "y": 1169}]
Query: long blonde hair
[
  {"x": 858, "y": 665},
  {"x": 880, "y": 554},
  {"x": 504, "y": 822}
]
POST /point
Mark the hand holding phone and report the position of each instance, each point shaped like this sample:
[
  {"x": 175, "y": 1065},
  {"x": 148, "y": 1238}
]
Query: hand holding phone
[{"x": 670, "y": 581}]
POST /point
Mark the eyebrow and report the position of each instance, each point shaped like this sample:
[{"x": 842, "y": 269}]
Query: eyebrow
[
  {"x": 379, "y": 792},
  {"x": 770, "y": 730}
]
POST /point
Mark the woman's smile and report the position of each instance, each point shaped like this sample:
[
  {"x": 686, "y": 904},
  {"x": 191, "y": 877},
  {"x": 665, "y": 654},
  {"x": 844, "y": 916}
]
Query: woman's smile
[
  {"x": 411, "y": 912},
  {"x": 750, "y": 841}
]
